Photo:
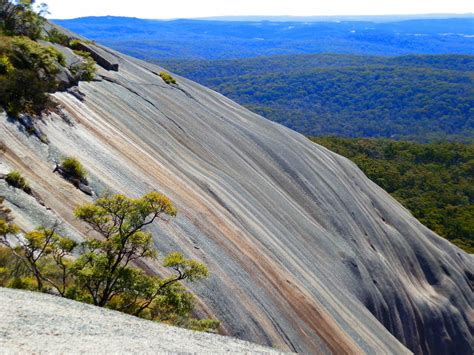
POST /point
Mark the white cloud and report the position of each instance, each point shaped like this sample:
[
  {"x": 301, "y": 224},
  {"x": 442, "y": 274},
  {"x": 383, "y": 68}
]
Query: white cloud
[{"x": 203, "y": 8}]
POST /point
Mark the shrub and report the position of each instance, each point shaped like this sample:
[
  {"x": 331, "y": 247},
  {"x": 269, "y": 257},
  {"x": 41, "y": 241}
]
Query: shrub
[
  {"x": 5, "y": 65},
  {"x": 74, "y": 43},
  {"x": 73, "y": 169},
  {"x": 27, "y": 73},
  {"x": 85, "y": 70},
  {"x": 22, "y": 283},
  {"x": 28, "y": 54},
  {"x": 168, "y": 79},
  {"x": 15, "y": 179},
  {"x": 19, "y": 18},
  {"x": 23, "y": 91},
  {"x": 56, "y": 36},
  {"x": 203, "y": 325}
]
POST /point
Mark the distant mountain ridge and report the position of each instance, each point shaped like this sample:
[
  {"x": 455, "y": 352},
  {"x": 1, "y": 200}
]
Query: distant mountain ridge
[
  {"x": 330, "y": 18},
  {"x": 218, "y": 39}
]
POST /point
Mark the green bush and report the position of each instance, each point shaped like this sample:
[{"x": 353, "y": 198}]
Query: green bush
[
  {"x": 168, "y": 79},
  {"x": 27, "y": 73},
  {"x": 22, "y": 91},
  {"x": 28, "y": 54},
  {"x": 7, "y": 259},
  {"x": 17, "y": 18},
  {"x": 5, "y": 65},
  {"x": 22, "y": 283},
  {"x": 56, "y": 36},
  {"x": 203, "y": 325},
  {"x": 73, "y": 169},
  {"x": 15, "y": 179},
  {"x": 74, "y": 43},
  {"x": 85, "y": 70}
]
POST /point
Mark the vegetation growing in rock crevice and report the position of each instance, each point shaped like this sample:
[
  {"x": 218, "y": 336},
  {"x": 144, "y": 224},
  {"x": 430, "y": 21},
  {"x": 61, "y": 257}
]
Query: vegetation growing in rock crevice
[
  {"x": 167, "y": 78},
  {"x": 434, "y": 181},
  {"x": 56, "y": 36},
  {"x": 73, "y": 170},
  {"x": 85, "y": 69},
  {"x": 15, "y": 179},
  {"x": 103, "y": 271}
]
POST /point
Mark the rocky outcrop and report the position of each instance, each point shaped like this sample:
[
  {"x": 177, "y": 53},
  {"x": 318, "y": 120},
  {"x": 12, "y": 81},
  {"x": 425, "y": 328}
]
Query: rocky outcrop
[
  {"x": 306, "y": 253},
  {"x": 65, "y": 79},
  {"x": 100, "y": 56},
  {"x": 80, "y": 183}
]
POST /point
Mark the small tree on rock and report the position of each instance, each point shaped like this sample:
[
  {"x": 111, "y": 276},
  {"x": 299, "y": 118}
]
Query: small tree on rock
[
  {"x": 105, "y": 271},
  {"x": 105, "y": 268}
]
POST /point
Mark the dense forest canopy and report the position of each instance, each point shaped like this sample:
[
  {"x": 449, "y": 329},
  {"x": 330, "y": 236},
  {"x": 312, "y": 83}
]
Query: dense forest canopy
[
  {"x": 434, "y": 181},
  {"x": 420, "y": 97}
]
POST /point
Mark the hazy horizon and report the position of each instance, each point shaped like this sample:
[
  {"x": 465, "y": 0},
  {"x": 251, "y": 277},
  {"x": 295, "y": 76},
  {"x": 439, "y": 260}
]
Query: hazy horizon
[
  {"x": 150, "y": 9},
  {"x": 433, "y": 16}
]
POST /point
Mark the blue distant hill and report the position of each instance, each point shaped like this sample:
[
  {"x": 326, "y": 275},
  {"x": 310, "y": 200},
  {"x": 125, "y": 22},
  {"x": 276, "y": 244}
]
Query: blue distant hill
[{"x": 219, "y": 39}]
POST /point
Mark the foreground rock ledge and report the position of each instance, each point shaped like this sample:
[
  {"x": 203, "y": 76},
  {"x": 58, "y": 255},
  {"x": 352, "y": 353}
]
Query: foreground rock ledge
[{"x": 34, "y": 322}]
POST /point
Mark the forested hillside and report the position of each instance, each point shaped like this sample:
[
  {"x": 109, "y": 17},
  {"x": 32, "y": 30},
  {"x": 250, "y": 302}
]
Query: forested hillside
[
  {"x": 434, "y": 181},
  {"x": 416, "y": 97}
]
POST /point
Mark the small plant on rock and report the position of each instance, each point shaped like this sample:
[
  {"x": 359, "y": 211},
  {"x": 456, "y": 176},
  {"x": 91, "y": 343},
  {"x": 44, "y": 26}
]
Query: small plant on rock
[
  {"x": 167, "y": 78},
  {"x": 85, "y": 69},
  {"x": 15, "y": 179},
  {"x": 72, "y": 169},
  {"x": 56, "y": 36}
]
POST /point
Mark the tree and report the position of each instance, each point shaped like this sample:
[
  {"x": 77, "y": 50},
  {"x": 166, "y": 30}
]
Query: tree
[
  {"x": 103, "y": 268},
  {"x": 8, "y": 13},
  {"x": 190, "y": 270},
  {"x": 36, "y": 249},
  {"x": 19, "y": 18},
  {"x": 6, "y": 225},
  {"x": 43, "y": 9},
  {"x": 104, "y": 272}
]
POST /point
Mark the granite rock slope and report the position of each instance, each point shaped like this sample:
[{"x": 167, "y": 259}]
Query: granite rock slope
[
  {"x": 38, "y": 323},
  {"x": 306, "y": 253}
]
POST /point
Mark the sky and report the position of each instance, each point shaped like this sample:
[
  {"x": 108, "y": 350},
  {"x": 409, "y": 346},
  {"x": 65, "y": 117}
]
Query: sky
[{"x": 159, "y": 9}]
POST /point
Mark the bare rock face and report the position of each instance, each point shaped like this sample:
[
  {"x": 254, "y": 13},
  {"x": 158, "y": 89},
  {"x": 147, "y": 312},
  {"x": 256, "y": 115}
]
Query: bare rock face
[
  {"x": 39, "y": 323},
  {"x": 306, "y": 253}
]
